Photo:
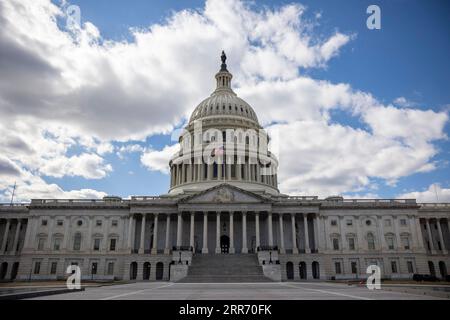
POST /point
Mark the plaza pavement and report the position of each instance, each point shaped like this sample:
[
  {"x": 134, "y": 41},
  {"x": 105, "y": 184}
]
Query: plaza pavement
[{"x": 236, "y": 291}]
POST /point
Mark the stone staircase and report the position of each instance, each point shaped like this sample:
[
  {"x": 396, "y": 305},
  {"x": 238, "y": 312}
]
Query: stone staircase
[{"x": 225, "y": 268}]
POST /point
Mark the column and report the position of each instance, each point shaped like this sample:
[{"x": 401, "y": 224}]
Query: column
[
  {"x": 130, "y": 230},
  {"x": 342, "y": 233},
  {"x": 183, "y": 173},
  {"x": 383, "y": 246},
  {"x": 218, "y": 232},
  {"x": 89, "y": 235},
  {"x": 419, "y": 233},
  {"x": 397, "y": 234},
  {"x": 191, "y": 239},
  {"x": 16, "y": 237},
  {"x": 441, "y": 238},
  {"x": 412, "y": 227},
  {"x": 305, "y": 225},
  {"x": 258, "y": 244},
  {"x": 238, "y": 169},
  {"x": 168, "y": 244},
  {"x": 48, "y": 245},
  {"x": 26, "y": 243},
  {"x": 244, "y": 232},
  {"x": 317, "y": 245},
  {"x": 232, "y": 232},
  {"x": 280, "y": 222},
  {"x": 179, "y": 229},
  {"x": 359, "y": 239},
  {"x": 258, "y": 173},
  {"x": 155, "y": 234},
  {"x": 430, "y": 238},
  {"x": 228, "y": 170},
  {"x": 5, "y": 236},
  {"x": 66, "y": 233},
  {"x": 269, "y": 224},
  {"x": 141, "y": 242},
  {"x": 205, "y": 232},
  {"x": 219, "y": 169},
  {"x": 189, "y": 172},
  {"x": 294, "y": 234},
  {"x": 106, "y": 233},
  {"x": 209, "y": 172}
]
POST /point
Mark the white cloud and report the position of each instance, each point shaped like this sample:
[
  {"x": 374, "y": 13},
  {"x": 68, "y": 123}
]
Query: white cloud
[
  {"x": 64, "y": 90},
  {"x": 434, "y": 193},
  {"x": 159, "y": 160},
  {"x": 129, "y": 148}
]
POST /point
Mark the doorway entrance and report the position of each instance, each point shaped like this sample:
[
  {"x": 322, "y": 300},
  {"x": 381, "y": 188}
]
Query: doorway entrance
[{"x": 225, "y": 244}]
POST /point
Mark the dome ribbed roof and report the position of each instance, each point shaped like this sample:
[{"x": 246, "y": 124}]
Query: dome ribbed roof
[
  {"x": 223, "y": 104},
  {"x": 223, "y": 101}
]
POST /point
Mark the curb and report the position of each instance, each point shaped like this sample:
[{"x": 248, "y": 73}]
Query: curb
[{"x": 27, "y": 295}]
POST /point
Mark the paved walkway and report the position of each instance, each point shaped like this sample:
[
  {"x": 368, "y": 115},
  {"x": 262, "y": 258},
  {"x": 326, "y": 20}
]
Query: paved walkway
[{"x": 235, "y": 291}]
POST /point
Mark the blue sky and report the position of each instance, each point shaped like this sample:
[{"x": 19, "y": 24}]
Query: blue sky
[{"x": 406, "y": 59}]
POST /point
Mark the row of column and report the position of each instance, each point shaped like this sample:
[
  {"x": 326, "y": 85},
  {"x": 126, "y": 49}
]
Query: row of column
[
  {"x": 440, "y": 234},
  {"x": 16, "y": 236},
  {"x": 244, "y": 249},
  {"x": 186, "y": 173}
]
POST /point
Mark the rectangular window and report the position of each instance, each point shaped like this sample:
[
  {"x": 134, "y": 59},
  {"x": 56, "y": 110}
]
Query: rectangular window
[
  {"x": 114, "y": 223},
  {"x": 351, "y": 243},
  {"x": 59, "y": 223},
  {"x": 98, "y": 223},
  {"x": 57, "y": 245},
  {"x": 335, "y": 244},
  {"x": 94, "y": 268},
  {"x": 349, "y": 222},
  {"x": 390, "y": 243},
  {"x": 410, "y": 266},
  {"x": 44, "y": 222},
  {"x": 37, "y": 267},
  {"x": 41, "y": 243},
  {"x": 337, "y": 267},
  {"x": 354, "y": 267},
  {"x": 112, "y": 245},
  {"x": 403, "y": 222},
  {"x": 333, "y": 222},
  {"x": 53, "y": 267},
  {"x": 96, "y": 244},
  {"x": 405, "y": 242},
  {"x": 394, "y": 266},
  {"x": 110, "y": 268}
]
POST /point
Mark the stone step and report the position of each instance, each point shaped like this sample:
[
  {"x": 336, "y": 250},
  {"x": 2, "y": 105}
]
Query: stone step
[{"x": 225, "y": 268}]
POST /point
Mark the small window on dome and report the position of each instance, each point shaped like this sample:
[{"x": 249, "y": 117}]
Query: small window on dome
[
  {"x": 230, "y": 107},
  {"x": 235, "y": 107},
  {"x": 242, "y": 110},
  {"x": 223, "y": 107}
]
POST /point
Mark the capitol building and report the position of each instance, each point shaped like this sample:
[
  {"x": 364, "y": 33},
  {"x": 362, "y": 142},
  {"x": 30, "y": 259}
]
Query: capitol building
[{"x": 223, "y": 220}]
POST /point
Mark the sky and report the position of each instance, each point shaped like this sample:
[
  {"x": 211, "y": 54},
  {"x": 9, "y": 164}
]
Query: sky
[{"x": 93, "y": 109}]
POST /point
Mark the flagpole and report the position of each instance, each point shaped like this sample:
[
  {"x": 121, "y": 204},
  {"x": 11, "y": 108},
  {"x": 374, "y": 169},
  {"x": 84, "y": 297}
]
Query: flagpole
[{"x": 12, "y": 195}]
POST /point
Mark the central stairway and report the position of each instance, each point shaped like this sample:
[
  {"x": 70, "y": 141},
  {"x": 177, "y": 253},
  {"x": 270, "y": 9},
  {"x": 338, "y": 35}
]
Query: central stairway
[{"x": 225, "y": 268}]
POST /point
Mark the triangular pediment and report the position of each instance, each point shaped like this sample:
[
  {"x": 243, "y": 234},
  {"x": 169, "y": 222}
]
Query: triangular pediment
[{"x": 224, "y": 193}]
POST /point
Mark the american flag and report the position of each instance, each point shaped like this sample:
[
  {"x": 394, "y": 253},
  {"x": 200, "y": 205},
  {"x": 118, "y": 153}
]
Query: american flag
[{"x": 219, "y": 151}]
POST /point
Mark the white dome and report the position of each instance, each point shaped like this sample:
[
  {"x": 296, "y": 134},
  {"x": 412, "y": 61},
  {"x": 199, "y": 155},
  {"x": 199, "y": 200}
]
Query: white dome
[{"x": 224, "y": 103}]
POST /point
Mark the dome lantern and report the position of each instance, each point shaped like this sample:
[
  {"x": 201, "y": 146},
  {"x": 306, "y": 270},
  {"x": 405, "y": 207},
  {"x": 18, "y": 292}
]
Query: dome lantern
[{"x": 223, "y": 77}]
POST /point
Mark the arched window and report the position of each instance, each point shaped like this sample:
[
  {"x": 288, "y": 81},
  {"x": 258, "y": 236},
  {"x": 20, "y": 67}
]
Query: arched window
[
  {"x": 77, "y": 242},
  {"x": 370, "y": 241}
]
